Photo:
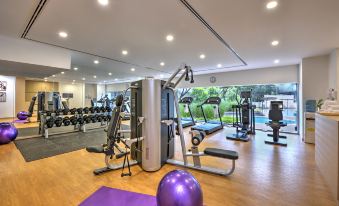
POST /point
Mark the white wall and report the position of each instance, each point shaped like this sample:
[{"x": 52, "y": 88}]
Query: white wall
[
  {"x": 117, "y": 87},
  {"x": 7, "y": 109},
  {"x": 25, "y": 51},
  {"x": 284, "y": 74},
  {"x": 78, "y": 99},
  {"x": 334, "y": 70}
]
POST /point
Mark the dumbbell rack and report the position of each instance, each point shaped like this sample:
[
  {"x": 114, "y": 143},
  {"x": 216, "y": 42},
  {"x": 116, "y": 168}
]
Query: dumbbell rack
[{"x": 45, "y": 116}]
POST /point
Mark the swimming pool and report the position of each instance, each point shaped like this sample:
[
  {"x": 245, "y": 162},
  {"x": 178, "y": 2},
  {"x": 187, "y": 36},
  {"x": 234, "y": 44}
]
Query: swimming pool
[{"x": 262, "y": 119}]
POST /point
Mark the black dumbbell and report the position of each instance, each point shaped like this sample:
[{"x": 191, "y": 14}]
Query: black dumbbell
[
  {"x": 97, "y": 109},
  {"x": 92, "y": 109},
  {"x": 109, "y": 117},
  {"x": 48, "y": 113},
  {"x": 104, "y": 118},
  {"x": 108, "y": 109},
  {"x": 57, "y": 112},
  {"x": 87, "y": 119},
  {"x": 50, "y": 122},
  {"x": 73, "y": 110},
  {"x": 66, "y": 121},
  {"x": 73, "y": 120},
  {"x": 79, "y": 110},
  {"x": 65, "y": 111},
  {"x": 103, "y": 109},
  {"x": 81, "y": 120},
  {"x": 86, "y": 110},
  {"x": 100, "y": 118},
  {"x": 58, "y": 121},
  {"x": 94, "y": 118}
]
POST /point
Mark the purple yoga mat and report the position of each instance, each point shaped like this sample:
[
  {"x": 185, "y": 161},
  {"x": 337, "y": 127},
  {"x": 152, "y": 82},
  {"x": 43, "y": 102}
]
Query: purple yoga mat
[{"x": 115, "y": 197}]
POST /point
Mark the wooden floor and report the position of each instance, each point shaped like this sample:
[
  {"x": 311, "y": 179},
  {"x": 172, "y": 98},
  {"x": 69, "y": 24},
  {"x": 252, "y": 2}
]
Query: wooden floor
[
  {"x": 33, "y": 122},
  {"x": 265, "y": 175}
]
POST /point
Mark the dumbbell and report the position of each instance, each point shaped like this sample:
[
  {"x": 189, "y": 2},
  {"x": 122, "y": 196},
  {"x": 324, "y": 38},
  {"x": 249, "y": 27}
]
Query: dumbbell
[
  {"x": 66, "y": 121},
  {"x": 100, "y": 118},
  {"x": 86, "y": 110},
  {"x": 73, "y": 110},
  {"x": 109, "y": 117},
  {"x": 104, "y": 118},
  {"x": 81, "y": 120},
  {"x": 103, "y": 109},
  {"x": 50, "y": 122},
  {"x": 58, "y": 122},
  {"x": 108, "y": 109},
  {"x": 73, "y": 120},
  {"x": 94, "y": 118},
  {"x": 65, "y": 111},
  {"x": 48, "y": 113},
  {"x": 92, "y": 109},
  {"x": 79, "y": 110},
  {"x": 58, "y": 112},
  {"x": 97, "y": 109},
  {"x": 87, "y": 119}
]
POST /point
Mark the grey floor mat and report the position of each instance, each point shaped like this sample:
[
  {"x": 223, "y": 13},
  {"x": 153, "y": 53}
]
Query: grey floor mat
[{"x": 39, "y": 147}]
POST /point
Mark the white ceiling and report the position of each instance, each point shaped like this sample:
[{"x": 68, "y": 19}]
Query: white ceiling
[{"x": 303, "y": 27}]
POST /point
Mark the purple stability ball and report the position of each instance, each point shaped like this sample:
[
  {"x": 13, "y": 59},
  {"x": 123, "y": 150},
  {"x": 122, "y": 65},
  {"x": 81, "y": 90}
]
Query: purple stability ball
[
  {"x": 179, "y": 188},
  {"x": 22, "y": 115},
  {"x": 8, "y": 133}
]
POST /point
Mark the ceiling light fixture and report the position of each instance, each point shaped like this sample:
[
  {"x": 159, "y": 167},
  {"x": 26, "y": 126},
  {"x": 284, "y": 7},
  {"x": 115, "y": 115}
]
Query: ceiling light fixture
[
  {"x": 219, "y": 65},
  {"x": 124, "y": 52},
  {"x": 161, "y": 75},
  {"x": 75, "y": 68},
  {"x": 277, "y": 61},
  {"x": 132, "y": 69},
  {"x": 45, "y": 80},
  {"x": 96, "y": 61},
  {"x": 275, "y": 43},
  {"x": 162, "y": 64},
  {"x": 116, "y": 79},
  {"x": 63, "y": 34},
  {"x": 53, "y": 75},
  {"x": 202, "y": 56},
  {"x": 169, "y": 37},
  {"x": 62, "y": 72},
  {"x": 103, "y": 2},
  {"x": 94, "y": 77},
  {"x": 83, "y": 78},
  {"x": 110, "y": 74},
  {"x": 271, "y": 4},
  {"x": 73, "y": 80}
]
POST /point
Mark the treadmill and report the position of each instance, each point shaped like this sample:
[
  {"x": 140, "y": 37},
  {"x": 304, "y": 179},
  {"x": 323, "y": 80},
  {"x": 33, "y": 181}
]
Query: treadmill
[
  {"x": 188, "y": 121},
  {"x": 210, "y": 126}
]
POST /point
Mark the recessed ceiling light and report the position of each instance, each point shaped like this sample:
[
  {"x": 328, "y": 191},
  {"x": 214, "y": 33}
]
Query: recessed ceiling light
[
  {"x": 96, "y": 61},
  {"x": 219, "y": 65},
  {"x": 110, "y": 74},
  {"x": 103, "y": 2},
  {"x": 104, "y": 81},
  {"x": 62, "y": 72},
  {"x": 63, "y": 34},
  {"x": 271, "y": 4},
  {"x": 124, "y": 52},
  {"x": 169, "y": 37},
  {"x": 275, "y": 43},
  {"x": 132, "y": 69},
  {"x": 115, "y": 79},
  {"x": 73, "y": 80},
  {"x": 202, "y": 56},
  {"x": 162, "y": 64},
  {"x": 45, "y": 80},
  {"x": 75, "y": 68},
  {"x": 83, "y": 78},
  {"x": 94, "y": 77},
  {"x": 161, "y": 75},
  {"x": 53, "y": 75},
  {"x": 277, "y": 61}
]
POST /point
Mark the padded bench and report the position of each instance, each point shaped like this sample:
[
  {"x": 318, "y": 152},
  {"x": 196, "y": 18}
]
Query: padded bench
[
  {"x": 227, "y": 154},
  {"x": 95, "y": 149}
]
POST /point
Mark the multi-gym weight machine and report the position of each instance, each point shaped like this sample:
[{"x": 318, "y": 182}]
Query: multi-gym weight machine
[{"x": 151, "y": 140}]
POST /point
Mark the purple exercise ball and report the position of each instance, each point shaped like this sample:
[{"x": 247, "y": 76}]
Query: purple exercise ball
[
  {"x": 8, "y": 133},
  {"x": 22, "y": 115},
  {"x": 179, "y": 188}
]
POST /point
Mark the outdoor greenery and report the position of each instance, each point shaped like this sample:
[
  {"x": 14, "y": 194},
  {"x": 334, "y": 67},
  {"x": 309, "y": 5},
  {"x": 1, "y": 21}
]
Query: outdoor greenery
[{"x": 229, "y": 96}]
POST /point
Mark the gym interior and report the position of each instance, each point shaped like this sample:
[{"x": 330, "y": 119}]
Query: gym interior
[{"x": 169, "y": 103}]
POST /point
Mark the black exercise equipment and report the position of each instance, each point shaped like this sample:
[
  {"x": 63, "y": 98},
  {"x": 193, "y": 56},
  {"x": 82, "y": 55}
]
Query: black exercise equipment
[
  {"x": 276, "y": 116},
  {"x": 187, "y": 122},
  {"x": 108, "y": 109},
  {"x": 79, "y": 110},
  {"x": 74, "y": 120},
  {"x": 243, "y": 117},
  {"x": 58, "y": 112},
  {"x": 73, "y": 111},
  {"x": 210, "y": 126},
  {"x": 103, "y": 109},
  {"x": 99, "y": 118},
  {"x": 50, "y": 122},
  {"x": 92, "y": 109},
  {"x": 58, "y": 122},
  {"x": 66, "y": 121},
  {"x": 97, "y": 109},
  {"x": 94, "y": 118},
  {"x": 81, "y": 120},
  {"x": 87, "y": 119},
  {"x": 86, "y": 110},
  {"x": 109, "y": 117},
  {"x": 48, "y": 113},
  {"x": 65, "y": 111}
]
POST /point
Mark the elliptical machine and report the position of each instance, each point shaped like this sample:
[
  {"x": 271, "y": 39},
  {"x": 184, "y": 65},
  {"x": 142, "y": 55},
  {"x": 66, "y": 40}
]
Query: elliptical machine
[
  {"x": 276, "y": 116},
  {"x": 243, "y": 118}
]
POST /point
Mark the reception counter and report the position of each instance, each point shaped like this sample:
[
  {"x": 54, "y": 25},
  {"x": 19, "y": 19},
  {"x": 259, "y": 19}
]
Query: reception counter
[{"x": 327, "y": 150}]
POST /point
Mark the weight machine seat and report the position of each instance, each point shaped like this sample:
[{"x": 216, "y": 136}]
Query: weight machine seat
[
  {"x": 227, "y": 154},
  {"x": 95, "y": 149}
]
